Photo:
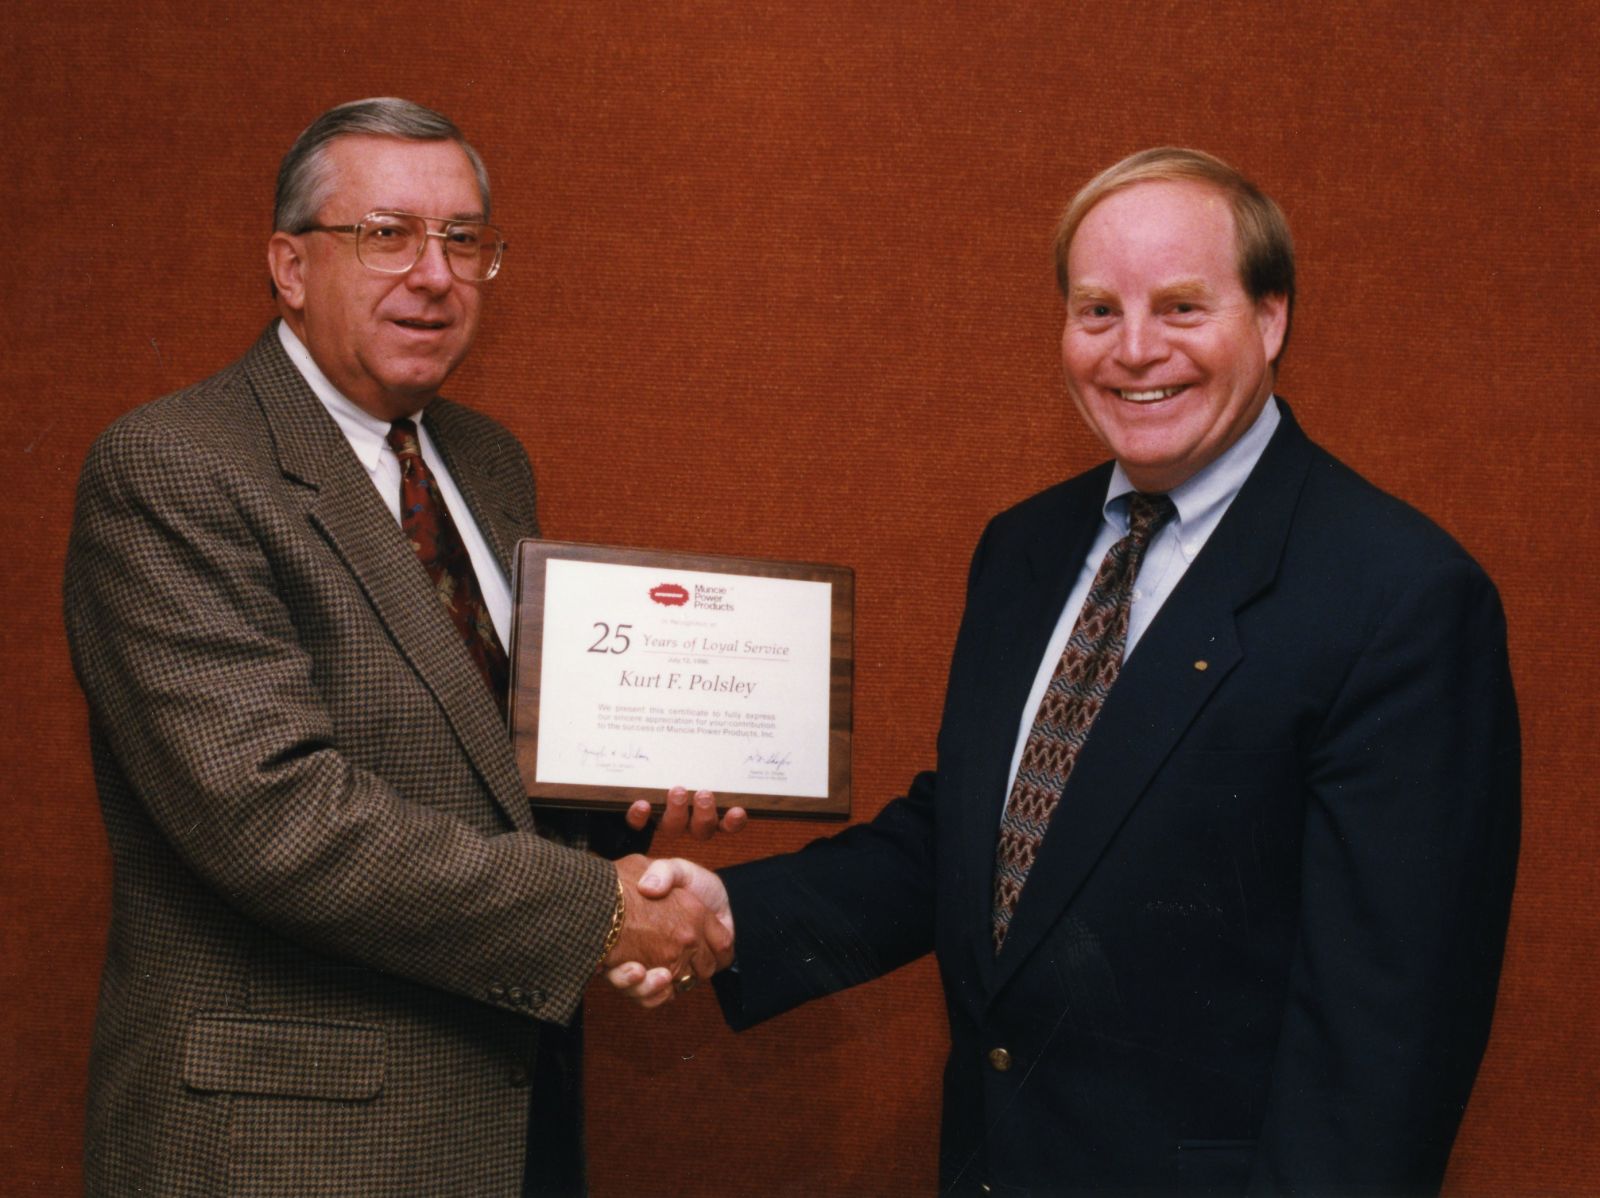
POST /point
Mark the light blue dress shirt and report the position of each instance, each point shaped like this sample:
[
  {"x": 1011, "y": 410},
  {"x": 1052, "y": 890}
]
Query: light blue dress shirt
[{"x": 1201, "y": 502}]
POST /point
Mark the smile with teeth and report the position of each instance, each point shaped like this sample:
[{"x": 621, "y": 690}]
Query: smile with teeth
[{"x": 1149, "y": 396}]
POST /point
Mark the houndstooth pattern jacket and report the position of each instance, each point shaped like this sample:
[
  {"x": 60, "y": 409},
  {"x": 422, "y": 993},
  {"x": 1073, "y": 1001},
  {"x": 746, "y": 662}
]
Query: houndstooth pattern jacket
[{"x": 334, "y": 925}]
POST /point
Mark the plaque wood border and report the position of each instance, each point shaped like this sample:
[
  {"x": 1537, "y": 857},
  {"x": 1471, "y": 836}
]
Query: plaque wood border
[{"x": 527, "y": 656}]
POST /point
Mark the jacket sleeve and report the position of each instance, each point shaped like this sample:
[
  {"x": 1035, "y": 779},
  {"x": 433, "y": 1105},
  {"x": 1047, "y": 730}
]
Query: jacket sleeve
[
  {"x": 205, "y": 701},
  {"x": 1408, "y": 859},
  {"x": 843, "y": 910}
]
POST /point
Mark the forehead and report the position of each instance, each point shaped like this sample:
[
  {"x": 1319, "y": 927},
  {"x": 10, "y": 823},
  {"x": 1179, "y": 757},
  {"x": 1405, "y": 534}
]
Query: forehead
[
  {"x": 1152, "y": 230},
  {"x": 434, "y": 178}
]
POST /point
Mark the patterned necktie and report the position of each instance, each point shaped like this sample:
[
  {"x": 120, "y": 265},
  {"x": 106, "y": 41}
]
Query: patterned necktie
[
  {"x": 426, "y": 522},
  {"x": 1082, "y": 679}
]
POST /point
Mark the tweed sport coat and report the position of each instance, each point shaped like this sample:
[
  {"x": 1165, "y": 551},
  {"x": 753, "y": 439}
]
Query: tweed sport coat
[
  {"x": 1259, "y": 944},
  {"x": 334, "y": 925}
]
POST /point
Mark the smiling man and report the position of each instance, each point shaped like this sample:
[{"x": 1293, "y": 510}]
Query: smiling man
[
  {"x": 385, "y": 326},
  {"x": 1168, "y": 356},
  {"x": 344, "y": 956},
  {"x": 1218, "y": 853}
]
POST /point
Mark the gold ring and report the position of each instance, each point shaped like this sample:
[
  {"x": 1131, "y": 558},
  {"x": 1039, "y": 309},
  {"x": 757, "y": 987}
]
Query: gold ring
[{"x": 684, "y": 982}]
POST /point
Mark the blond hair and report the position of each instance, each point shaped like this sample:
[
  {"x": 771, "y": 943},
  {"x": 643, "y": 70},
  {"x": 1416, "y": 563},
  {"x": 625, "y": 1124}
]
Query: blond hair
[{"x": 1265, "y": 253}]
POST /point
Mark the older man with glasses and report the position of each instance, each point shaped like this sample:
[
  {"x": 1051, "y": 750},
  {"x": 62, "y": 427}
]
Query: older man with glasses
[{"x": 344, "y": 957}]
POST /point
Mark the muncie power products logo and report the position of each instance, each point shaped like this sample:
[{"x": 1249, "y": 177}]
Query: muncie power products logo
[{"x": 669, "y": 594}]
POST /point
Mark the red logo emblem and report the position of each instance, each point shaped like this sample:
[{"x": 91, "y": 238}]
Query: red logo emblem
[{"x": 669, "y": 594}]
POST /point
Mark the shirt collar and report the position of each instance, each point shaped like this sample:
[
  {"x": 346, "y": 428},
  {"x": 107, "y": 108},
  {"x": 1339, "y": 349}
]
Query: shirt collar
[
  {"x": 367, "y": 435},
  {"x": 1201, "y": 499}
]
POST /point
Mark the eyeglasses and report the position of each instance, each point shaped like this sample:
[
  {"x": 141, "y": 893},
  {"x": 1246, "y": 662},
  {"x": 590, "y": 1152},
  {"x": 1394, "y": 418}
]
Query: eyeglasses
[{"x": 393, "y": 242}]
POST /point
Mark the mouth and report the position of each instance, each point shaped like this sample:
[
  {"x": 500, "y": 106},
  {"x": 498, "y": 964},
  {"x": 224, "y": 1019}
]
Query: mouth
[
  {"x": 1148, "y": 394},
  {"x": 426, "y": 326}
]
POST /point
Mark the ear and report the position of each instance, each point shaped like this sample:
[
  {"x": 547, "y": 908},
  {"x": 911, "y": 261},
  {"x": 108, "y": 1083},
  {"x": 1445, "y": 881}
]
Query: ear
[
  {"x": 1272, "y": 319},
  {"x": 286, "y": 263}
]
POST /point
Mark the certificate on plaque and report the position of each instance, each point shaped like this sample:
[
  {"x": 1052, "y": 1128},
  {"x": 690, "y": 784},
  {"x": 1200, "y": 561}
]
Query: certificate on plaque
[{"x": 634, "y": 670}]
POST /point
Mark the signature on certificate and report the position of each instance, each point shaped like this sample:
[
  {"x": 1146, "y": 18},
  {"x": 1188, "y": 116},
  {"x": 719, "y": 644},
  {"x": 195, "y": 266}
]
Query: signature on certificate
[
  {"x": 614, "y": 752},
  {"x": 776, "y": 761}
]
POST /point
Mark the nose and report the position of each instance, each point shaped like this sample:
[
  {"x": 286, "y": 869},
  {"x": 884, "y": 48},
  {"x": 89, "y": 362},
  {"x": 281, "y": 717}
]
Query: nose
[
  {"x": 1140, "y": 342},
  {"x": 432, "y": 271}
]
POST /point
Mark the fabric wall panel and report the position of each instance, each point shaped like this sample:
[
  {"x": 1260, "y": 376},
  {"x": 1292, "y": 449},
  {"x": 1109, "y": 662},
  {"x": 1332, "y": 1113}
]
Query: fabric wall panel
[{"x": 779, "y": 284}]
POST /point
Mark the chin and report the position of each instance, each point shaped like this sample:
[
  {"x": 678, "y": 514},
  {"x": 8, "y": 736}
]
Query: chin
[
  {"x": 423, "y": 381},
  {"x": 1151, "y": 468}
]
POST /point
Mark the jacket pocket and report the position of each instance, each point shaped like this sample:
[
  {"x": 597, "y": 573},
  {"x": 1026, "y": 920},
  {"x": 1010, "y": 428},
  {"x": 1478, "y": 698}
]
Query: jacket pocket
[{"x": 289, "y": 1058}]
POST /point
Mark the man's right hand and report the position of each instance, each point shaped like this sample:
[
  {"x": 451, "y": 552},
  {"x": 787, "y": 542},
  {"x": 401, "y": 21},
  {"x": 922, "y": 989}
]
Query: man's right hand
[
  {"x": 650, "y": 984},
  {"x": 671, "y": 936}
]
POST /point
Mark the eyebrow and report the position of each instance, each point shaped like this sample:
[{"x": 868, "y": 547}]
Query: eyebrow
[
  {"x": 476, "y": 215},
  {"x": 1080, "y": 291},
  {"x": 1184, "y": 289},
  {"x": 1178, "y": 289}
]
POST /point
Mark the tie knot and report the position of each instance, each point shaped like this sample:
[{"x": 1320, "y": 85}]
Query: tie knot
[
  {"x": 402, "y": 439},
  {"x": 1146, "y": 513}
]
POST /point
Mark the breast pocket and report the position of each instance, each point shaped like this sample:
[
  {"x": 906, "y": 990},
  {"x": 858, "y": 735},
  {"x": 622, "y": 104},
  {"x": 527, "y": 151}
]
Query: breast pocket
[{"x": 289, "y": 1058}]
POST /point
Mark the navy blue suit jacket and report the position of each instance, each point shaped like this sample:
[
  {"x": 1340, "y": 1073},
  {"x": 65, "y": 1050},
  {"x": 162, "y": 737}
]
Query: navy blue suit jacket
[{"x": 1260, "y": 944}]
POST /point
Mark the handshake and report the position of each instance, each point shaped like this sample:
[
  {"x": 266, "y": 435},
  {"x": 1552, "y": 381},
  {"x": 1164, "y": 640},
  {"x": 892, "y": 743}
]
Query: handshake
[{"x": 677, "y": 928}]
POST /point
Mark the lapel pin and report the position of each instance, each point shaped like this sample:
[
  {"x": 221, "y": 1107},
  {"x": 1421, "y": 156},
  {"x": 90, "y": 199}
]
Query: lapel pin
[{"x": 1202, "y": 665}]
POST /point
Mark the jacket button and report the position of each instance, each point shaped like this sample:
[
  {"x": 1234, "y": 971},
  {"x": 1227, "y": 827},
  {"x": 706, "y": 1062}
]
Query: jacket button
[
  {"x": 497, "y": 993},
  {"x": 536, "y": 997},
  {"x": 518, "y": 998},
  {"x": 999, "y": 1059}
]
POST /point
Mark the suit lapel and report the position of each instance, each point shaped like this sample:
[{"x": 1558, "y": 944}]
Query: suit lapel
[
  {"x": 478, "y": 476},
  {"x": 1017, "y": 635},
  {"x": 351, "y": 516},
  {"x": 1161, "y": 689}
]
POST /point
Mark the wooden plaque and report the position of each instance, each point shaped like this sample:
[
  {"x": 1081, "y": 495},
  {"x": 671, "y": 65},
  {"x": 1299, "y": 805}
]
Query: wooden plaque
[{"x": 634, "y": 670}]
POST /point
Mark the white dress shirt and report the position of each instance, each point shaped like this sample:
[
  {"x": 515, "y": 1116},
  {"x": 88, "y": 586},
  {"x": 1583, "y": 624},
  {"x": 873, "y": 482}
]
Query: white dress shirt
[{"x": 368, "y": 437}]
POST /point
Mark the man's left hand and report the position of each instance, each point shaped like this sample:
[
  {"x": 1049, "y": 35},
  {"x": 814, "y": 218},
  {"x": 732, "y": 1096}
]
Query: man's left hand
[{"x": 698, "y": 818}]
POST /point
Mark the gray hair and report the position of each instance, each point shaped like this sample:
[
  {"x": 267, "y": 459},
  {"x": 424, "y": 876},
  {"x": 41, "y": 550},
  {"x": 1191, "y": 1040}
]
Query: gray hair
[{"x": 304, "y": 178}]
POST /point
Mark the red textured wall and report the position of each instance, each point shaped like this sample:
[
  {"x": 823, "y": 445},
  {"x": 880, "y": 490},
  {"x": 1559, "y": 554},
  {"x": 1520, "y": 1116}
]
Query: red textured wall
[{"x": 780, "y": 284}]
